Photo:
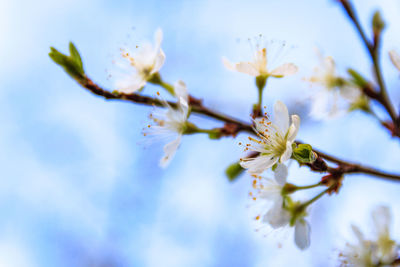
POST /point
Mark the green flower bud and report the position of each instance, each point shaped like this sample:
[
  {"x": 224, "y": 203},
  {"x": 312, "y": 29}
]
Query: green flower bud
[
  {"x": 303, "y": 154},
  {"x": 377, "y": 23}
]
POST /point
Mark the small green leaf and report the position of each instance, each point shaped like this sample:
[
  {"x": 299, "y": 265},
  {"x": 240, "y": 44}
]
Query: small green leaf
[
  {"x": 57, "y": 57},
  {"x": 358, "y": 79},
  {"x": 303, "y": 153},
  {"x": 75, "y": 55},
  {"x": 233, "y": 171},
  {"x": 72, "y": 64}
]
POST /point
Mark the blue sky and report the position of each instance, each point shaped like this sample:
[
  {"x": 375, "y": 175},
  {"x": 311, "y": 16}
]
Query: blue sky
[{"x": 78, "y": 186}]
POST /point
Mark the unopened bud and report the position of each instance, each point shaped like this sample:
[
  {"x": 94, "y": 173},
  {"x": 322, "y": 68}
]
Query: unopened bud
[{"x": 377, "y": 23}]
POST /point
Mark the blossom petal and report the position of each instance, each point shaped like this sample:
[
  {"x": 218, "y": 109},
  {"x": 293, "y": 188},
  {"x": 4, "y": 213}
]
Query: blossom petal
[
  {"x": 321, "y": 105},
  {"x": 280, "y": 174},
  {"x": 244, "y": 67},
  {"x": 294, "y": 128},
  {"x": 395, "y": 58},
  {"x": 350, "y": 93},
  {"x": 158, "y": 62},
  {"x": 329, "y": 65},
  {"x": 247, "y": 68},
  {"x": 259, "y": 164},
  {"x": 357, "y": 232},
  {"x": 169, "y": 151},
  {"x": 288, "y": 152},
  {"x": 281, "y": 116},
  {"x": 271, "y": 192},
  {"x": 229, "y": 65},
  {"x": 302, "y": 234},
  {"x": 184, "y": 108},
  {"x": 144, "y": 57},
  {"x": 284, "y": 70},
  {"x": 158, "y": 36},
  {"x": 181, "y": 90},
  {"x": 382, "y": 218},
  {"x": 130, "y": 84},
  {"x": 277, "y": 216}
]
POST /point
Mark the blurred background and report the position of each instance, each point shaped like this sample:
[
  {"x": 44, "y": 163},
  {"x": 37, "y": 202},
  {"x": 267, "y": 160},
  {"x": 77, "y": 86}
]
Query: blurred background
[{"x": 78, "y": 186}]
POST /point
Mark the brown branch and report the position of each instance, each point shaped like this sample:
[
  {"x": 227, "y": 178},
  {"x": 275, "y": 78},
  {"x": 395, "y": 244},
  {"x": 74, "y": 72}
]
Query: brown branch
[
  {"x": 350, "y": 167},
  {"x": 396, "y": 262},
  {"x": 373, "y": 50},
  {"x": 197, "y": 107},
  {"x": 357, "y": 168},
  {"x": 195, "y": 104}
]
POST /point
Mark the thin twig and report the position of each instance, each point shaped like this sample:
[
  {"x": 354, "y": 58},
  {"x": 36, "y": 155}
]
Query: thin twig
[
  {"x": 197, "y": 107},
  {"x": 373, "y": 50}
]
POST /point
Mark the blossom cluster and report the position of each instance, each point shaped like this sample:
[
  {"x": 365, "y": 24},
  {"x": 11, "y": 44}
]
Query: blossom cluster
[
  {"x": 274, "y": 142},
  {"x": 272, "y": 145}
]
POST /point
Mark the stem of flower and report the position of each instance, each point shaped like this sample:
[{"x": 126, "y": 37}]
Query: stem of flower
[
  {"x": 168, "y": 87},
  {"x": 291, "y": 188},
  {"x": 208, "y": 131},
  {"x": 260, "y": 94},
  {"x": 261, "y": 81},
  {"x": 308, "y": 186},
  {"x": 300, "y": 209},
  {"x": 306, "y": 204},
  {"x": 156, "y": 79},
  {"x": 193, "y": 129}
]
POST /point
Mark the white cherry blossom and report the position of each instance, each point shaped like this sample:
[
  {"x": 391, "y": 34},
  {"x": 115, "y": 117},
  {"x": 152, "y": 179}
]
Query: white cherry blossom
[
  {"x": 260, "y": 65},
  {"x": 334, "y": 94},
  {"x": 276, "y": 139},
  {"x": 138, "y": 67},
  {"x": 170, "y": 123},
  {"x": 271, "y": 190},
  {"x": 277, "y": 214}
]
